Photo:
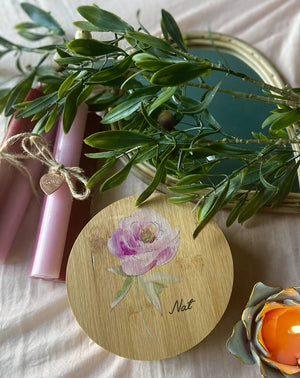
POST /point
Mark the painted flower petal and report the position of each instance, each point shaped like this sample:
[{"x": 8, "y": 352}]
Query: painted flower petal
[
  {"x": 261, "y": 292},
  {"x": 238, "y": 346},
  {"x": 138, "y": 264},
  {"x": 122, "y": 244}
]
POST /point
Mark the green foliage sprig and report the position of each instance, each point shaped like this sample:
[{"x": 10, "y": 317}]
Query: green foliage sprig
[{"x": 141, "y": 82}]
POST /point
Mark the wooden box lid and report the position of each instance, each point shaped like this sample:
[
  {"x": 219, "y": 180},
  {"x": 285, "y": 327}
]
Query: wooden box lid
[{"x": 140, "y": 286}]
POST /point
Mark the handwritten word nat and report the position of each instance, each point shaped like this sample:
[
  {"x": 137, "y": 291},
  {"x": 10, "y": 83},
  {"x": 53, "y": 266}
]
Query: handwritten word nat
[{"x": 179, "y": 306}]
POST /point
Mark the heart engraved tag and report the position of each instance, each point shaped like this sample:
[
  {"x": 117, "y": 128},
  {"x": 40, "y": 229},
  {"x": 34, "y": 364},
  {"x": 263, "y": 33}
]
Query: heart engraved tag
[{"x": 50, "y": 182}]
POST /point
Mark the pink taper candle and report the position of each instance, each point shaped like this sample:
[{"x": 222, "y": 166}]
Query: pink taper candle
[
  {"x": 55, "y": 215},
  {"x": 17, "y": 199},
  {"x": 16, "y": 126}
]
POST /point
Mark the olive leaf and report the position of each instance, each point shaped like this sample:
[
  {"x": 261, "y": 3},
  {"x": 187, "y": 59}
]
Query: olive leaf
[
  {"x": 170, "y": 27},
  {"x": 101, "y": 173},
  {"x": 111, "y": 73},
  {"x": 104, "y": 20},
  {"x": 92, "y": 47},
  {"x": 18, "y": 94},
  {"x": 116, "y": 140},
  {"x": 70, "y": 108},
  {"x": 42, "y": 18},
  {"x": 159, "y": 174},
  {"x": 118, "y": 177},
  {"x": 179, "y": 73}
]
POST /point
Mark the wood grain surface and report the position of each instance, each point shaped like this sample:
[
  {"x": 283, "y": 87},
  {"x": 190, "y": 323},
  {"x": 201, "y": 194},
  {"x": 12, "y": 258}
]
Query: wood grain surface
[{"x": 191, "y": 306}]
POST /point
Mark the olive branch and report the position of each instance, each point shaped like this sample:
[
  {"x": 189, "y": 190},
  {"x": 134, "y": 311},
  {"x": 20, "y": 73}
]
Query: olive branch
[{"x": 141, "y": 82}]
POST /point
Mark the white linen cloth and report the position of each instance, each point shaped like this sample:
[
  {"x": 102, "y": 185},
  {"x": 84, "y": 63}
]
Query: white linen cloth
[{"x": 39, "y": 337}]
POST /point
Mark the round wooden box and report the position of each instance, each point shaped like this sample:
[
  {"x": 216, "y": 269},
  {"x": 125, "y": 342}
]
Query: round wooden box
[{"x": 140, "y": 286}]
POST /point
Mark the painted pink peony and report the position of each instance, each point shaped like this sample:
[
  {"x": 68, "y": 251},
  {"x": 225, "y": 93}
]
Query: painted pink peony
[{"x": 143, "y": 240}]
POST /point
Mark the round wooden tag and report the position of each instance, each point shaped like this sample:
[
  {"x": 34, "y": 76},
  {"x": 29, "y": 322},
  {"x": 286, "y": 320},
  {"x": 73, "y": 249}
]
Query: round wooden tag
[{"x": 140, "y": 286}]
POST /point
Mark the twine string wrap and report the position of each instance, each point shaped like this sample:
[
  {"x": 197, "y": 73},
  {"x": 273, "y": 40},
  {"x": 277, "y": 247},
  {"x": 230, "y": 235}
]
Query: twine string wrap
[{"x": 36, "y": 147}]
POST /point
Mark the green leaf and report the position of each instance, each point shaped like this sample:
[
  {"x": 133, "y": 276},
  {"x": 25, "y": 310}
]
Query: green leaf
[
  {"x": 101, "y": 173},
  {"x": 179, "y": 73},
  {"x": 170, "y": 26},
  {"x": 85, "y": 25},
  {"x": 147, "y": 154},
  {"x": 102, "y": 155},
  {"x": 18, "y": 94},
  {"x": 190, "y": 179},
  {"x": 151, "y": 41},
  {"x": 235, "y": 210},
  {"x": 103, "y": 19},
  {"x": 251, "y": 207},
  {"x": 40, "y": 125},
  {"x": 65, "y": 85},
  {"x": 129, "y": 106},
  {"x": 4, "y": 94},
  {"x": 31, "y": 36},
  {"x": 122, "y": 292},
  {"x": 159, "y": 174},
  {"x": 30, "y": 108},
  {"x": 70, "y": 108},
  {"x": 92, "y": 47},
  {"x": 270, "y": 119},
  {"x": 71, "y": 60},
  {"x": 182, "y": 199},
  {"x": 190, "y": 188},
  {"x": 149, "y": 62},
  {"x": 162, "y": 98},
  {"x": 286, "y": 185},
  {"x": 84, "y": 95},
  {"x": 287, "y": 119},
  {"x": 117, "y": 178},
  {"x": 27, "y": 25},
  {"x": 265, "y": 183},
  {"x": 53, "y": 117},
  {"x": 6, "y": 43},
  {"x": 111, "y": 73},
  {"x": 42, "y": 18},
  {"x": 208, "y": 213},
  {"x": 203, "y": 105},
  {"x": 114, "y": 140}
]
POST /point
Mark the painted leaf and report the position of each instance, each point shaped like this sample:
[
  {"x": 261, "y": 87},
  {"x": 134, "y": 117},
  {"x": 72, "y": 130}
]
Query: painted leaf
[
  {"x": 122, "y": 292},
  {"x": 150, "y": 293},
  {"x": 165, "y": 278}
]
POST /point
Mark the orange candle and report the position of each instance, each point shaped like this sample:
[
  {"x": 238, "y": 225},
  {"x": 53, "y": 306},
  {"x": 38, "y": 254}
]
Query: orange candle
[{"x": 280, "y": 333}]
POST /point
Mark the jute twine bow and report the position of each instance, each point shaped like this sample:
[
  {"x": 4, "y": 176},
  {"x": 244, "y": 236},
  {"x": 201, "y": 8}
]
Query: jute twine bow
[{"x": 36, "y": 147}]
